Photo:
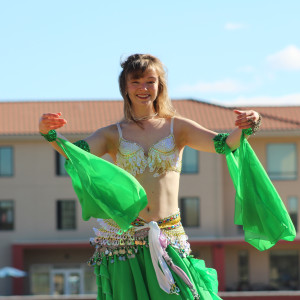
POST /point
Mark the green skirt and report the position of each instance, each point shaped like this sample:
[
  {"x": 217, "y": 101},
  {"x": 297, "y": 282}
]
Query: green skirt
[{"x": 124, "y": 268}]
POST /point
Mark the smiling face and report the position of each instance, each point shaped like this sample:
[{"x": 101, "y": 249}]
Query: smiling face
[
  {"x": 142, "y": 88},
  {"x": 143, "y": 82}
]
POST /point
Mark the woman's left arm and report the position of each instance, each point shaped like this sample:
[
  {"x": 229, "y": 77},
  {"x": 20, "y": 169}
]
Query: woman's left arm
[{"x": 195, "y": 136}]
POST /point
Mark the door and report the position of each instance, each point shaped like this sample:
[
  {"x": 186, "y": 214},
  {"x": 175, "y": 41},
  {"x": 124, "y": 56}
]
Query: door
[{"x": 66, "y": 282}]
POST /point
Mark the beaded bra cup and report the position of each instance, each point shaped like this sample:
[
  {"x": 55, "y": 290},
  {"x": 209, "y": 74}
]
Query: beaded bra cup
[{"x": 162, "y": 157}]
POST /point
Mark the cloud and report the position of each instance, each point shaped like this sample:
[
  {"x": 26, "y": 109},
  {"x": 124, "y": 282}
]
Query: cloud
[
  {"x": 246, "y": 69},
  {"x": 234, "y": 26},
  {"x": 289, "y": 99},
  {"x": 221, "y": 86},
  {"x": 286, "y": 59}
]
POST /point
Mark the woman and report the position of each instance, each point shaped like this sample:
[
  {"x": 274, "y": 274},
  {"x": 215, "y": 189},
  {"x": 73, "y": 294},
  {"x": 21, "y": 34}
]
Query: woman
[{"x": 148, "y": 143}]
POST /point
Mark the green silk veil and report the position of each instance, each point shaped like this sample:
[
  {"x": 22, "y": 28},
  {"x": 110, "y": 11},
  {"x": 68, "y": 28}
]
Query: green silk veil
[
  {"x": 258, "y": 206},
  {"x": 104, "y": 190},
  {"x": 107, "y": 191}
]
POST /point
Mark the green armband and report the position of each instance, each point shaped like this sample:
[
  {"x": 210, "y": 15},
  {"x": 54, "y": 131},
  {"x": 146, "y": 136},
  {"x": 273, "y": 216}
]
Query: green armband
[
  {"x": 82, "y": 144},
  {"x": 220, "y": 141},
  {"x": 50, "y": 136},
  {"x": 248, "y": 131}
]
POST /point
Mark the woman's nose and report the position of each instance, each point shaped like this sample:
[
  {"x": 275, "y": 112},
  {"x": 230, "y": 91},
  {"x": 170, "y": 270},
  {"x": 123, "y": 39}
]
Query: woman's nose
[{"x": 143, "y": 86}]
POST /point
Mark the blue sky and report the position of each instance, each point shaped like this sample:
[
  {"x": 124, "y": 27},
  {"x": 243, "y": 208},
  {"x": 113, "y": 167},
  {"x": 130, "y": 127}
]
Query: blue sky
[{"x": 228, "y": 52}]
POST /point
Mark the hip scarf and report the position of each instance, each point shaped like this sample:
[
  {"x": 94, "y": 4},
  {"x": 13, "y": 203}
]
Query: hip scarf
[{"x": 112, "y": 243}]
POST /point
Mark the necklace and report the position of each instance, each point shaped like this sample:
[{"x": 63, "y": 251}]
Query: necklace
[{"x": 145, "y": 117}]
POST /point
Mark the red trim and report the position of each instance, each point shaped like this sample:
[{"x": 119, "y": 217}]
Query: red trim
[
  {"x": 18, "y": 258},
  {"x": 218, "y": 255},
  {"x": 229, "y": 242},
  {"x": 18, "y": 262},
  {"x": 217, "y": 248},
  {"x": 281, "y": 297}
]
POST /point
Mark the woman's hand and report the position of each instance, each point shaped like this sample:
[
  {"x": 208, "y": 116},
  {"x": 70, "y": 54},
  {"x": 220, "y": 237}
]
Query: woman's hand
[
  {"x": 245, "y": 118},
  {"x": 51, "y": 121}
]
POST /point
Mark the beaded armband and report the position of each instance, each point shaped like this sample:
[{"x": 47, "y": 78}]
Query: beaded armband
[
  {"x": 50, "y": 136},
  {"x": 219, "y": 141},
  {"x": 83, "y": 145},
  {"x": 254, "y": 128}
]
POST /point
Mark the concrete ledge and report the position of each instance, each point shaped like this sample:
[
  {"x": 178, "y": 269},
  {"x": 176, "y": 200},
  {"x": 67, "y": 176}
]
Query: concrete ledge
[
  {"x": 261, "y": 295},
  {"x": 48, "y": 297}
]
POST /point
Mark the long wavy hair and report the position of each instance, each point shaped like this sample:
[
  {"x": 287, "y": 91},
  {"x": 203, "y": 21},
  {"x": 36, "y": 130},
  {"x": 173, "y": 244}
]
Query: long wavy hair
[{"x": 136, "y": 65}]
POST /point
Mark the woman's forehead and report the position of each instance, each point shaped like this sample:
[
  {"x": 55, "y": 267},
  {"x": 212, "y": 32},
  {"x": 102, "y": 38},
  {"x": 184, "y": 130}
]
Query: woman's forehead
[{"x": 136, "y": 74}]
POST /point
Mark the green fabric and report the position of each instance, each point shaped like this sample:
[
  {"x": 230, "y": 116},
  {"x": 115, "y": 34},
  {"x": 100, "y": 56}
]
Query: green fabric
[
  {"x": 220, "y": 142},
  {"x": 106, "y": 191},
  {"x": 83, "y": 145},
  {"x": 258, "y": 206},
  {"x": 103, "y": 189},
  {"x": 248, "y": 131},
  {"x": 50, "y": 136},
  {"x": 135, "y": 278}
]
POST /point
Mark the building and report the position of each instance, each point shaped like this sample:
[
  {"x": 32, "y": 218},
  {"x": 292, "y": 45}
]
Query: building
[{"x": 41, "y": 230}]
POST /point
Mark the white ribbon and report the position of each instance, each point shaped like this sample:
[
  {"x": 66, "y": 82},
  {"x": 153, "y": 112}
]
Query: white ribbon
[{"x": 163, "y": 274}]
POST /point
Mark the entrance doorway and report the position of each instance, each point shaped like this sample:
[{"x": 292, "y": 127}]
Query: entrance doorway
[{"x": 66, "y": 282}]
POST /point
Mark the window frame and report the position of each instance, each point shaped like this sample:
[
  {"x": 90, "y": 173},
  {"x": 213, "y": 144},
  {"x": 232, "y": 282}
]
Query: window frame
[
  {"x": 58, "y": 158},
  {"x": 292, "y": 212},
  {"x": 279, "y": 255},
  {"x": 187, "y": 172},
  {"x": 182, "y": 215},
  {"x": 12, "y": 162},
  {"x": 272, "y": 177},
  {"x": 13, "y": 215},
  {"x": 59, "y": 216}
]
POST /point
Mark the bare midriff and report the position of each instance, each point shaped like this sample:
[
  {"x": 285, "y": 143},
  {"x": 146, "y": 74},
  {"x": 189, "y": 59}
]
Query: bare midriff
[{"x": 162, "y": 195}]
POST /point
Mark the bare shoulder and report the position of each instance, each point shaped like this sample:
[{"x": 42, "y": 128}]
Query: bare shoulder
[
  {"x": 181, "y": 128},
  {"x": 182, "y": 123},
  {"x": 104, "y": 140},
  {"x": 110, "y": 131},
  {"x": 191, "y": 133}
]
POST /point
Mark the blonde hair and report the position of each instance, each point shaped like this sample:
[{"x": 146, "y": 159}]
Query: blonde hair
[{"x": 136, "y": 65}]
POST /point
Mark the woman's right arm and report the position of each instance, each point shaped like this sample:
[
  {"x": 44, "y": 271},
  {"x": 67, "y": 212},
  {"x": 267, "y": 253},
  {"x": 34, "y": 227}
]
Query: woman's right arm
[
  {"x": 52, "y": 121},
  {"x": 100, "y": 142}
]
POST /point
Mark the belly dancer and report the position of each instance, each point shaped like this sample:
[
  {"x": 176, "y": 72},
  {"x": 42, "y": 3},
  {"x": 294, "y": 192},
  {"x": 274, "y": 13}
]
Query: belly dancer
[{"x": 151, "y": 260}]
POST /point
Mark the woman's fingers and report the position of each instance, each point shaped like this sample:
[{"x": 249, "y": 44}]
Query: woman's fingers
[
  {"x": 51, "y": 121},
  {"x": 244, "y": 119},
  {"x": 51, "y": 116}
]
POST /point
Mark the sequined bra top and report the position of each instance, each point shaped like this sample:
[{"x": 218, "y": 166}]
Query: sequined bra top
[{"x": 162, "y": 157}]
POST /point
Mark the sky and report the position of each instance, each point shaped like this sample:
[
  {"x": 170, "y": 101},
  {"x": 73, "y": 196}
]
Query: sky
[{"x": 225, "y": 52}]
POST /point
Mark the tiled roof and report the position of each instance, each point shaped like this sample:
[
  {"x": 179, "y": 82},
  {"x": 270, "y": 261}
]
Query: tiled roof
[{"x": 21, "y": 118}]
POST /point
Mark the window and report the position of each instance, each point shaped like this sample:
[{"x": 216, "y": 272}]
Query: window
[
  {"x": 240, "y": 229},
  {"x": 190, "y": 161},
  {"x": 282, "y": 161},
  {"x": 40, "y": 279},
  {"x": 243, "y": 262},
  {"x": 66, "y": 214},
  {"x": 60, "y": 165},
  {"x": 189, "y": 208},
  {"x": 284, "y": 269},
  {"x": 6, "y": 161},
  {"x": 62, "y": 279},
  {"x": 6, "y": 215},
  {"x": 293, "y": 210}
]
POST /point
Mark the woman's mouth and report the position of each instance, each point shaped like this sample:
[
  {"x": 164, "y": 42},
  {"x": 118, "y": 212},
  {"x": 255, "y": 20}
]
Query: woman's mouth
[{"x": 143, "y": 96}]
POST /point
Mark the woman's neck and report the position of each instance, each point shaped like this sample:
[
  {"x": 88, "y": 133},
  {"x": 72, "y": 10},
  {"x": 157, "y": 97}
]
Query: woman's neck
[{"x": 145, "y": 114}]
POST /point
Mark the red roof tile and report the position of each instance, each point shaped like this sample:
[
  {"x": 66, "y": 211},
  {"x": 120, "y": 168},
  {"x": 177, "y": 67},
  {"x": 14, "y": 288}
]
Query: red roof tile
[{"x": 21, "y": 118}]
